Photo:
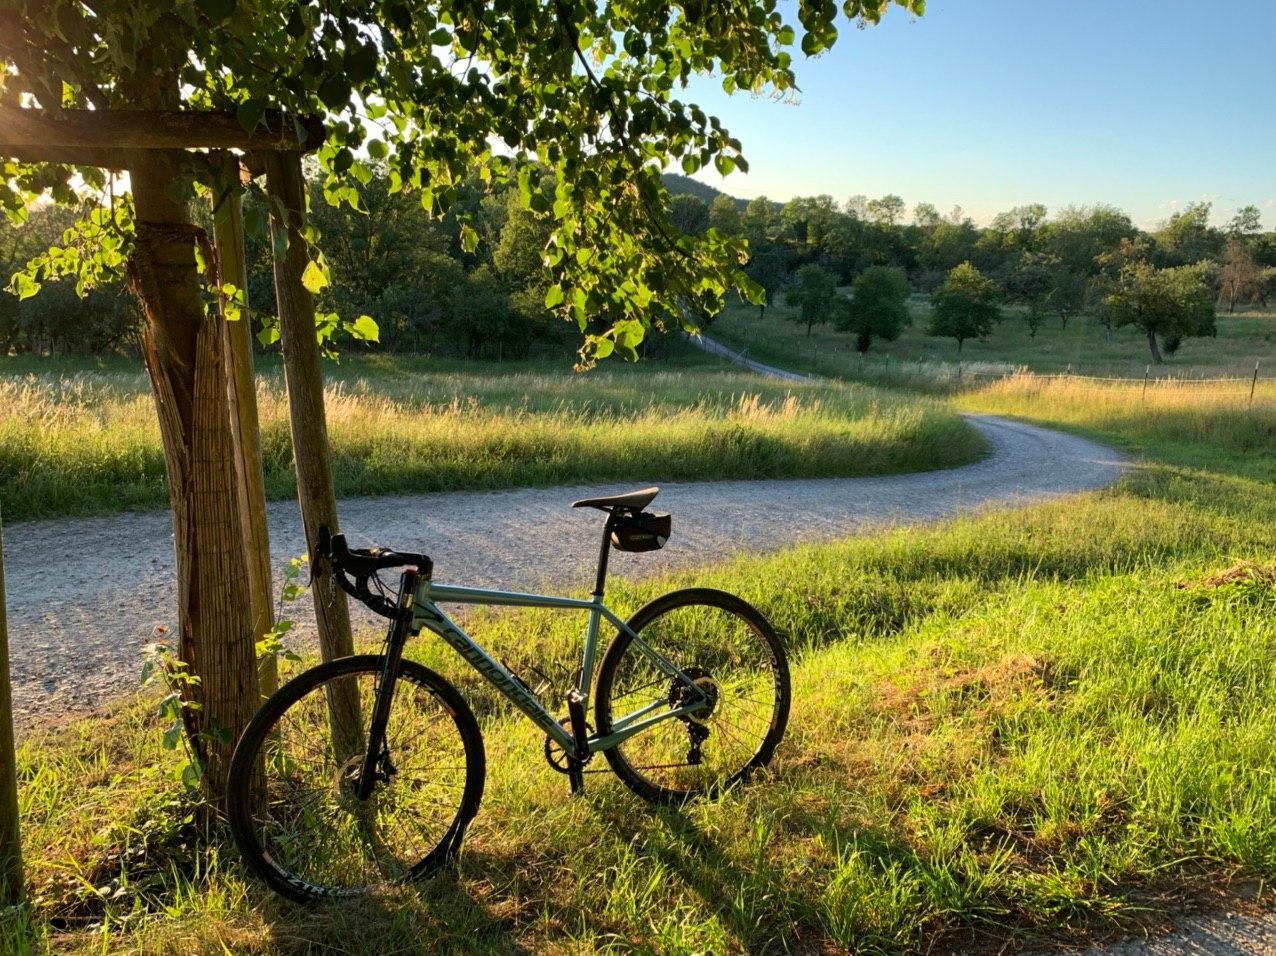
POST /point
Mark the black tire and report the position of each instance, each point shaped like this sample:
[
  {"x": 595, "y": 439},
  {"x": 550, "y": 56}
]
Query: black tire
[
  {"x": 627, "y": 681},
  {"x": 287, "y": 837}
]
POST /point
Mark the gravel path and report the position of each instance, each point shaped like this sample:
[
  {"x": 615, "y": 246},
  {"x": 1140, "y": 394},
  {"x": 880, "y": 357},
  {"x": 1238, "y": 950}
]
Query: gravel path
[{"x": 86, "y": 594}]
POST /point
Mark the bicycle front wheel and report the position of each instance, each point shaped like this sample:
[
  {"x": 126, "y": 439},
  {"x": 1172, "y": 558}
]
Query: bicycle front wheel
[
  {"x": 724, "y": 646},
  {"x": 291, "y": 792}
]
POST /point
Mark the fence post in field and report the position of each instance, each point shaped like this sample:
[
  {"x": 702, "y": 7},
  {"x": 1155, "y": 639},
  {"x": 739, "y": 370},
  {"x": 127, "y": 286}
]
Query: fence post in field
[
  {"x": 11, "y": 883},
  {"x": 241, "y": 393},
  {"x": 315, "y": 494},
  {"x": 1253, "y": 384},
  {"x": 1146, "y": 373}
]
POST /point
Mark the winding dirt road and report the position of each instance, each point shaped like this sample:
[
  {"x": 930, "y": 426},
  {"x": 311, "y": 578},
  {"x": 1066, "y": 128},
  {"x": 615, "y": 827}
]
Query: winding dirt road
[{"x": 85, "y": 595}]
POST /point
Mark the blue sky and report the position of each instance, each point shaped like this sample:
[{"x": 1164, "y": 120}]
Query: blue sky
[{"x": 993, "y": 103}]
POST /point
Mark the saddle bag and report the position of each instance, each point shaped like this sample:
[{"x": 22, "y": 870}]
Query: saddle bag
[{"x": 641, "y": 532}]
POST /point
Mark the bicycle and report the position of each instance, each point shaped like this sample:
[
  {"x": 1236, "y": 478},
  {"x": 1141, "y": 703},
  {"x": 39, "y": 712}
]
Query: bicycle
[{"x": 368, "y": 769}]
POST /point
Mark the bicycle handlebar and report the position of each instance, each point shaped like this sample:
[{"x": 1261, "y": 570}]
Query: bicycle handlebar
[{"x": 353, "y": 567}]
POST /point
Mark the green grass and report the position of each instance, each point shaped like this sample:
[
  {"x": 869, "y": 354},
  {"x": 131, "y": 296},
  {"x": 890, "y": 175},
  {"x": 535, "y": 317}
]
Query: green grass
[
  {"x": 1051, "y": 721},
  {"x": 1083, "y": 347},
  {"x": 81, "y": 438}
]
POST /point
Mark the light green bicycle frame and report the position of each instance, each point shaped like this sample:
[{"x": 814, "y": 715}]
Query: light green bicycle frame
[{"x": 427, "y": 615}]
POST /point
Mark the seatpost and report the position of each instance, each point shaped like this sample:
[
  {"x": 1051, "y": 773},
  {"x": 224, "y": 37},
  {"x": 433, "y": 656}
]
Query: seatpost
[{"x": 604, "y": 552}]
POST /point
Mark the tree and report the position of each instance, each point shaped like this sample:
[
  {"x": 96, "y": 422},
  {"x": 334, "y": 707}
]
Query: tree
[
  {"x": 11, "y": 882},
  {"x": 1172, "y": 303},
  {"x": 758, "y": 220},
  {"x": 1247, "y": 222},
  {"x": 768, "y": 267},
  {"x": 878, "y": 307},
  {"x": 814, "y": 293},
  {"x": 1240, "y": 277},
  {"x": 1266, "y": 284},
  {"x": 886, "y": 211},
  {"x": 437, "y": 91},
  {"x": 724, "y": 216},
  {"x": 1079, "y": 235},
  {"x": 925, "y": 215},
  {"x": 689, "y": 215},
  {"x": 1069, "y": 293},
  {"x": 1032, "y": 283},
  {"x": 857, "y": 207},
  {"x": 964, "y": 306},
  {"x": 1187, "y": 236}
]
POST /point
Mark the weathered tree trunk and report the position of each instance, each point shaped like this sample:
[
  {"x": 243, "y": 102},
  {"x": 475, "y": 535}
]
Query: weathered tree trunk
[
  {"x": 184, "y": 356},
  {"x": 228, "y": 230},
  {"x": 1156, "y": 349},
  {"x": 309, "y": 424},
  {"x": 11, "y": 883}
]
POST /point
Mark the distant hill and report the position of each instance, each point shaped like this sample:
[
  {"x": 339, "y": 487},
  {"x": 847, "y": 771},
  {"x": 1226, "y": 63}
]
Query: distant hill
[{"x": 684, "y": 185}]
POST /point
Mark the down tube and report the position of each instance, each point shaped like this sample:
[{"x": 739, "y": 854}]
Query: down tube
[{"x": 495, "y": 673}]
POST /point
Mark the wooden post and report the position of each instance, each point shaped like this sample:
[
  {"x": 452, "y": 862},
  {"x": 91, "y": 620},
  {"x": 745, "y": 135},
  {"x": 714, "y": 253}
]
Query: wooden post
[
  {"x": 315, "y": 494},
  {"x": 11, "y": 883},
  {"x": 241, "y": 393},
  {"x": 1146, "y": 373},
  {"x": 1253, "y": 384}
]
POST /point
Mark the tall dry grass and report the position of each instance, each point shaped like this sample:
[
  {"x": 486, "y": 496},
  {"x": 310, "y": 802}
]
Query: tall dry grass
[{"x": 88, "y": 442}]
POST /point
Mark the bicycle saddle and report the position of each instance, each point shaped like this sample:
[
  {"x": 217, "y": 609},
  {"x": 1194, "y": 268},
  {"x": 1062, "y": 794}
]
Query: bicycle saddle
[{"x": 630, "y": 501}]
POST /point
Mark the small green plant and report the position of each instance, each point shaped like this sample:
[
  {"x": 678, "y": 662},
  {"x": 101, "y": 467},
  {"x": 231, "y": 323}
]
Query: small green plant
[
  {"x": 272, "y": 642},
  {"x": 160, "y": 664}
]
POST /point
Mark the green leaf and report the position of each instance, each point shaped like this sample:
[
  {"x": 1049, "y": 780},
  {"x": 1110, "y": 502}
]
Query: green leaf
[
  {"x": 365, "y": 328},
  {"x": 786, "y": 35},
  {"x": 334, "y": 92},
  {"x": 314, "y": 278},
  {"x": 377, "y": 149},
  {"x": 725, "y": 164},
  {"x": 250, "y": 113},
  {"x": 690, "y": 164},
  {"x": 24, "y": 285},
  {"x": 469, "y": 238},
  {"x": 554, "y": 296}
]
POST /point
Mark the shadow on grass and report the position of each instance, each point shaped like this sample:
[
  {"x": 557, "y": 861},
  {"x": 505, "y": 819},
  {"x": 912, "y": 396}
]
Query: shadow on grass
[{"x": 437, "y": 915}]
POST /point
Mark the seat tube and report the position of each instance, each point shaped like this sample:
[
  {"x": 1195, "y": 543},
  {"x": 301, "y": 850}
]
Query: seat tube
[
  {"x": 604, "y": 553},
  {"x": 591, "y": 630}
]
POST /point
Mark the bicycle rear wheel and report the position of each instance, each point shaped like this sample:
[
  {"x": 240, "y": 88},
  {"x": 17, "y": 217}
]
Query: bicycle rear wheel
[
  {"x": 730, "y": 651},
  {"x": 291, "y": 796}
]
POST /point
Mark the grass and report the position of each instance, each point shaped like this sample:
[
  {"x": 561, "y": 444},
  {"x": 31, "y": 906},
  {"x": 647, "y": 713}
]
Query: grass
[
  {"x": 1012, "y": 728},
  {"x": 79, "y": 439},
  {"x": 1083, "y": 348}
]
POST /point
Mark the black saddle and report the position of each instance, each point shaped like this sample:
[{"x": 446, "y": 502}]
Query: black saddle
[{"x": 633, "y": 501}]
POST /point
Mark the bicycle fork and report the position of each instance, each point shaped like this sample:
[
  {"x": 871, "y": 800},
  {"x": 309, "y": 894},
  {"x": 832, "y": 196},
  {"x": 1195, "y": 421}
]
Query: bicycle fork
[{"x": 396, "y": 639}]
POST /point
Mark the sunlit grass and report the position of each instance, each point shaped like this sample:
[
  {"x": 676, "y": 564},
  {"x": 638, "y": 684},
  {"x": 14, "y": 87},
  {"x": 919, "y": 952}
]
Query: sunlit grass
[
  {"x": 87, "y": 441},
  {"x": 1004, "y": 726},
  {"x": 1007, "y": 728}
]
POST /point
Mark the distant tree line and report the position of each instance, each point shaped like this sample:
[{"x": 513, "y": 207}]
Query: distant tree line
[
  {"x": 429, "y": 294},
  {"x": 1084, "y": 259}
]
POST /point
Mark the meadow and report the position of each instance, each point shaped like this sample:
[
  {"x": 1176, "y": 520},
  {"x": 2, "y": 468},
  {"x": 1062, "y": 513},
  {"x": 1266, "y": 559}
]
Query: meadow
[
  {"x": 1017, "y": 728},
  {"x": 81, "y": 438},
  {"x": 1084, "y": 347}
]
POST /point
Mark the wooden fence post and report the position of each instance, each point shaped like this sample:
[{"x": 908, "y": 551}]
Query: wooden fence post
[
  {"x": 315, "y": 493},
  {"x": 1146, "y": 373},
  {"x": 241, "y": 392},
  {"x": 12, "y": 888},
  {"x": 1253, "y": 384}
]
